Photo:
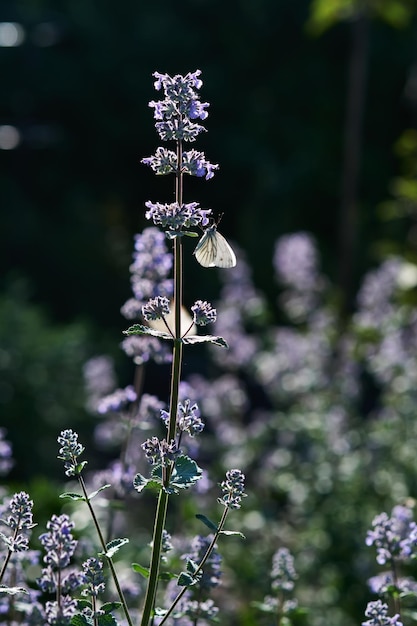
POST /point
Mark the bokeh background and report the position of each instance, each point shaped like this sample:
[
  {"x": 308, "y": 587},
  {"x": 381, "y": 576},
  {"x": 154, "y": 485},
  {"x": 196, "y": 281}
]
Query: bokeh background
[{"x": 313, "y": 118}]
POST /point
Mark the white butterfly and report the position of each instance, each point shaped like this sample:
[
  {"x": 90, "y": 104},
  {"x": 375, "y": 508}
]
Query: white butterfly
[{"x": 213, "y": 250}]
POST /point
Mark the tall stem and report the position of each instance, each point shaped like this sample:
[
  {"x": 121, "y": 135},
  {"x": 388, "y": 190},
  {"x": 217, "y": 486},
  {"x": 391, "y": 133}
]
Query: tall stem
[
  {"x": 161, "y": 511},
  {"x": 104, "y": 546}
]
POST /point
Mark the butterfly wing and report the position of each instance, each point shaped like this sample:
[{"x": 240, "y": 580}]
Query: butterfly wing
[
  {"x": 225, "y": 257},
  {"x": 213, "y": 250},
  {"x": 206, "y": 249}
]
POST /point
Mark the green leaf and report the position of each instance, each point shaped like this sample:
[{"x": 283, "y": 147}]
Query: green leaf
[
  {"x": 140, "y": 482},
  {"x": 139, "y": 329},
  {"x": 140, "y": 569},
  {"x": 191, "y": 233},
  {"x": 186, "y": 580},
  {"x": 185, "y": 473},
  {"x": 230, "y": 533},
  {"x": 94, "y": 493},
  {"x": 114, "y": 546},
  {"x": 191, "y": 566},
  {"x": 194, "y": 339},
  {"x": 110, "y": 606},
  {"x": 79, "y": 468},
  {"x": 80, "y": 620},
  {"x": 12, "y": 591},
  {"x": 207, "y": 522},
  {"x": 72, "y": 496}
]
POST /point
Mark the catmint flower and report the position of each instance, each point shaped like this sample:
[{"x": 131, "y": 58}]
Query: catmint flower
[
  {"x": 232, "y": 489},
  {"x": 61, "y": 614},
  {"x": 93, "y": 577},
  {"x": 163, "y": 162},
  {"x": 203, "y": 313},
  {"x": 159, "y": 451},
  {"x": 283, "y": 573},
  {"x": 20, "y": 520},
  {"x": 392, "y": 536},
  {"x": 117, "y": 400},
  {"x": 20, "y": 508},
  {"x": 58, "y": 542},
  {"x": 188, "y": 418},
  {"x": 156, "y": 309},
  {"x": 175, "y": 216},
  {"x": 195, "y": 164},
  {"x": 211, "y": 574},
  {"x": 377, "y": 611},
  {"x": 144, "y": 349},
  {"x": 70, "y": 451},
  {"x": 197, "y": 611},
  {"x": 179, "y": 107}
]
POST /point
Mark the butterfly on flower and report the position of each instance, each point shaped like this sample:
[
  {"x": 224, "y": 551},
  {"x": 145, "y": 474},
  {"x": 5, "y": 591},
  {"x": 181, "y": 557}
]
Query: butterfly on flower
[{"x": 213, "y": 250}]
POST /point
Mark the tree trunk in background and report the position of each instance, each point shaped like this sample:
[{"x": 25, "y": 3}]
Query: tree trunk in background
[{"x": 352, "y": 156}]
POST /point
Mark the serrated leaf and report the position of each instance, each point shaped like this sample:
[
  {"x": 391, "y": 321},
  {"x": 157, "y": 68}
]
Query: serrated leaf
[
  {"x": 94, "y": 493},
  {"x": 139, "y": 329},
  {"x": 84, "y": 604},
  {"x": 185, "y": 580},
  {"x": 12, "y": 591},
  {"x": 140, "y": 569},
  {"x": 140, "y": 482},
  {"x": 232, "y": 532},
  {"x": 72, "y": 496},
  {"x": 80, "y": 620},
  {"x": 194, "y": 339},
  {"x": 207, "y": 522},
  {"x": 114, "y": 546},
  {"x": 110, "y": 606},
  {"x": 186, "y": 472},
  {"x": 191, "y": 566}
]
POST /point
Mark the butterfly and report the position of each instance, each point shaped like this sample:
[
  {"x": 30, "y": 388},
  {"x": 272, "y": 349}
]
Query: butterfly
[{"x": 213, "y": 250}]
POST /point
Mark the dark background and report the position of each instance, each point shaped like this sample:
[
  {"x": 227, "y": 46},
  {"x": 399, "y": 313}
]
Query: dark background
[{"x": 72, "y": 190}]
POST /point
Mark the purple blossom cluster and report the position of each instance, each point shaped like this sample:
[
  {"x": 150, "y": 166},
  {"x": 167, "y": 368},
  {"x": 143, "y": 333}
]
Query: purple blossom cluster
[
  {"x": 188, "y": 418},
  {"x": 175, "y": 216},
  {"x": 394, "y": 536},
  {"x": 180, "y": 105},
  {"x": 295, "y": 262},
  {"x": 377, "y": 612},
  {"x": 57, "y": 577},
  {"x": 233, "y": 489}
]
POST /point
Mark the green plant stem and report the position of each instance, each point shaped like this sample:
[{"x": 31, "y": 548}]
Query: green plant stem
[
  {"x": 8, "y": 555},
  {"x": 160, "y": 518},
  {"x": 161, "y": 511},
  {"x": 104, "y": 546},
  {"x": 200, "y": 566},
  {"x": 5, "y": 564}
]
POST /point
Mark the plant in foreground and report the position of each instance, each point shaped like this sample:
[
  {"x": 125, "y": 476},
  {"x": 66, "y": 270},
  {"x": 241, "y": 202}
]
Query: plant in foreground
[{"x": 158, "y": 302}]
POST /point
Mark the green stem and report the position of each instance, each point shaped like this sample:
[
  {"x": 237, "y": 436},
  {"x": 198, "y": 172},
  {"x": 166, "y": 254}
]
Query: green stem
[
  {"x": 161, "y": 511},
  {"x": 104, "y": 546},
  {"x": 160, "y": 518},
  {"x": 200, "y": 566}
]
